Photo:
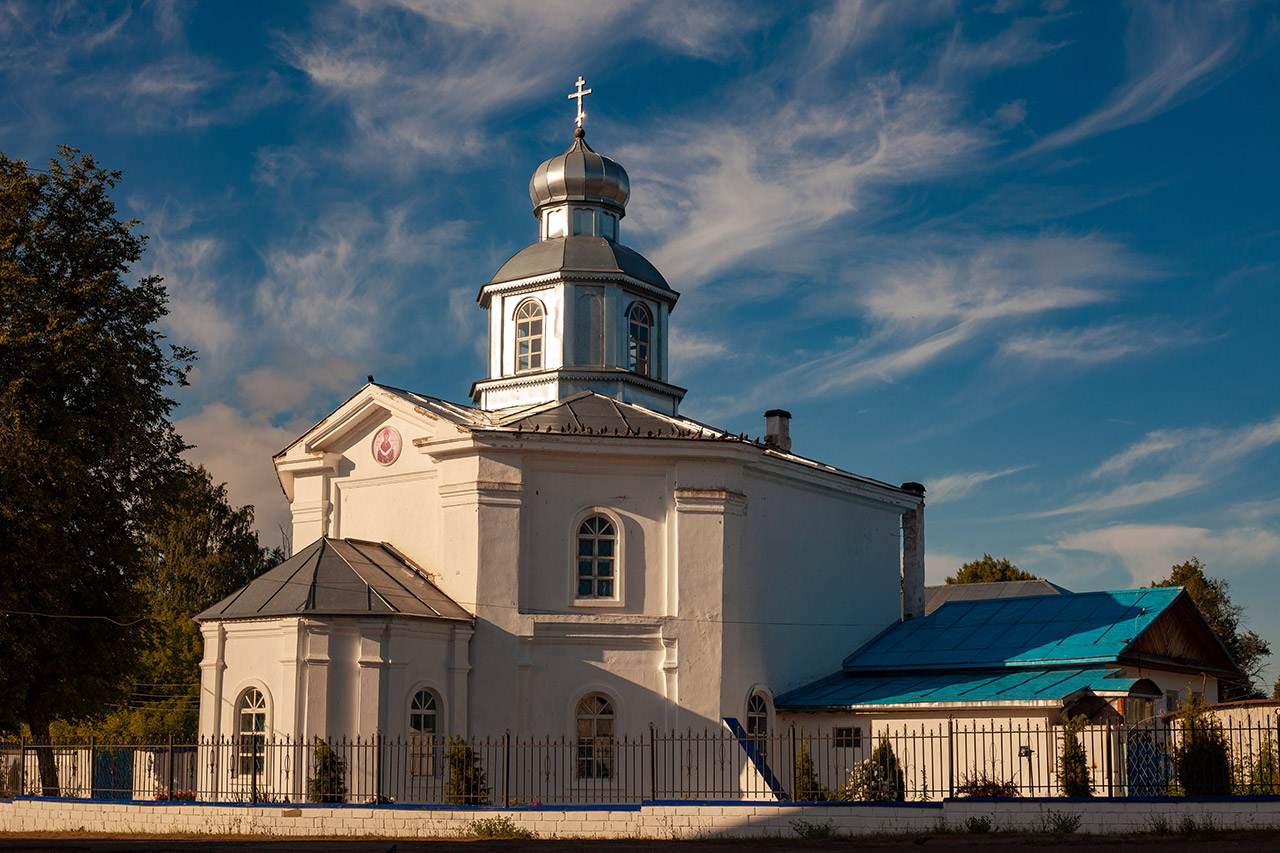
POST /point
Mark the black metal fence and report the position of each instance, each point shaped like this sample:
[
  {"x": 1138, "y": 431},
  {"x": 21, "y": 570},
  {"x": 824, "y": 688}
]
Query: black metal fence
[{"x": 883, "y": 763}]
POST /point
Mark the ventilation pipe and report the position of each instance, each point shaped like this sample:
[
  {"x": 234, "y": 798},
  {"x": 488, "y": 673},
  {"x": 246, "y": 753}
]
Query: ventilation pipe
[
  {"x": 913, "y": 555},
  {"x": 777, "y": 429}
]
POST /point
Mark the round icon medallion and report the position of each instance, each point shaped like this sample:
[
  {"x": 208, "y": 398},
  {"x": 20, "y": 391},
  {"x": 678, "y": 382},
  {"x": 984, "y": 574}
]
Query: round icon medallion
[{"x": 386, "y": 446}]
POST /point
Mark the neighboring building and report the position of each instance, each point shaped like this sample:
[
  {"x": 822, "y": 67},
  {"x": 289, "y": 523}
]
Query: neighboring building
[
  {"x": 570, "y": 556},
  {"x": 936, "y": 596},
  {"x": 1107, "y": 655}
]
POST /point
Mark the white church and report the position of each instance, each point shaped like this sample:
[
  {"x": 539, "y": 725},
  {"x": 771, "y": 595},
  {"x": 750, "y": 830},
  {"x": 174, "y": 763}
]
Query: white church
[
  {"x": 569, "y": 556},
  {"x": 568, "y": 552}
]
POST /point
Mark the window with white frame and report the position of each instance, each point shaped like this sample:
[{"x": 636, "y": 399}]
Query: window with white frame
[
  {"x": 529, "y": 327},
  {"x": 597, "y": 558},
  {"x": 758, "y": 724},
  {"x": 252, "y": 731},
  {"x": 595, "y": 722},
  {"x": 424, "y": 718},
  {"x": 639, "y": 333}
]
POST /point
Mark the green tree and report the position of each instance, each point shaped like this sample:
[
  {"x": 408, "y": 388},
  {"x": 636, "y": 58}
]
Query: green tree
[
  {"x": 198, "y": 549},
  {"x": 1202, "y": 758},
  {"x": 329, "y": 783},
  {"x": 1073, "y": 776},
  {"x": 84, "y": 423},
  {"x": 1226, "y": 618},
  {"x": 990, "y": 570},
  {"x": 467, "y": 785},
  {"x": 1275, "y": 689}
]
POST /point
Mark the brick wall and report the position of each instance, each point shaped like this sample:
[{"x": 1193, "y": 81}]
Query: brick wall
[{"x": 1098, "y": 815}]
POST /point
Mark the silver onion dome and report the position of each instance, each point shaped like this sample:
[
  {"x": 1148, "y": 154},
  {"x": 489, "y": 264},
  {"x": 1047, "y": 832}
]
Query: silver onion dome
[{"x": 580, "y": 174}]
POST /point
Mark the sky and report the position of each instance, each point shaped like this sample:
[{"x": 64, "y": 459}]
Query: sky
[{"x": 1025, "y": 253}]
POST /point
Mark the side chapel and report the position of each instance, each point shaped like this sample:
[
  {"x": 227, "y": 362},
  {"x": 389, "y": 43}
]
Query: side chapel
[{"x": 568, "y": 554}]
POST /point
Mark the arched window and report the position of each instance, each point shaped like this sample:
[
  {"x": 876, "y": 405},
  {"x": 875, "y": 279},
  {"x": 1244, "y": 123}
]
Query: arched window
[
  {"x": 597, "y": 558},
  {"x": 529, "y": 318},
  {"x": 252, "y": 731},
  {"x": 639, "y": 330},
  {"x": 594, "y": 719},
  {"x": 423, "y": 728},
  {"x": 758, "y": 724}
]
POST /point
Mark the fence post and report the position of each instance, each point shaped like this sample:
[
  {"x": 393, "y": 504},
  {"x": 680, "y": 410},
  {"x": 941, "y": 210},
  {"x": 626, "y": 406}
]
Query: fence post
[
  {"x": 1111, "y": 775},
  {"x": 93, "y": 765},
  {"x": 951, "y": 758},
  {"x": 377, "y": 768},
  {"x": 169, "y": 771},
  {"x": 795, "y": 787},
  {"x": 506, "y": 769},
  {"x": 22, "y": 768},
  {"x": 653, "y": 767}
]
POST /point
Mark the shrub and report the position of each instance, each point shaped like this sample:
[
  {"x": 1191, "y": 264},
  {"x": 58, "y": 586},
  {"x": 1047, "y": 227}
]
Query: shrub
[
  {"x": 805, "y": 829},
  {"x": 329, "y": 784},
  {"x": 1266, "y": 774},
  {"x": 1073, "y": 771},
  {"x": 877, "y": 778},
  {"x": 977, "y": 823},
  {"x": 1202, "y": 760},
  {"x": 467, "y": 784},
  {"x": 1063, "y": 822},
  {"x": 501, "y": 826},
  {"x": 978, "y": 784},
  {"x": 808, "y": 788}
]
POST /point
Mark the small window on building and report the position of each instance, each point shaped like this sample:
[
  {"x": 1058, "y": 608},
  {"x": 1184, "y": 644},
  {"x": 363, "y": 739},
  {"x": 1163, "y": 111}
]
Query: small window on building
[
  {"x": 252, "y": 730},
  {"x": 758, "y": 725},
  {"x": 594, "y": 721},
  {"x": 556, "y": 223},
  {"x": 597, "y": 558},
  {"x": 581, "y": 220},
  {"x": 529, "y": 321},
  {"x": 423, "y": 716},
  {"x": 848, "y": 737},
  {"x": 609, "y": 226},
  {"x": 1171, "y": 701},
  {"x": 639, "y": 329}
]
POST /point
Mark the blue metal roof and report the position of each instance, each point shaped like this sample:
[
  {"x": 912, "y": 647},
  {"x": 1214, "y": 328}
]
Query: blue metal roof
[
  {"x": 968, "y": 687},
  {"x": 1049, "y": 630}
]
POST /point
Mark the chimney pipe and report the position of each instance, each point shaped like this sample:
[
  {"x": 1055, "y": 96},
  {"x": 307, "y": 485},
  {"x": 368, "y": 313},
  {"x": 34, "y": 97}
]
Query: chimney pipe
[{"x": 777, "y": 429}]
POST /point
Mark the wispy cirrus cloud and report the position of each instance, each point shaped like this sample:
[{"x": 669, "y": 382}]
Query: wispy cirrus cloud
[
  {"x": 1173, "y": 51},
  {"x": 955, "y": 486},
  {"x": 1092, "y": 344},
  {"x": 1171, "y": 463}
]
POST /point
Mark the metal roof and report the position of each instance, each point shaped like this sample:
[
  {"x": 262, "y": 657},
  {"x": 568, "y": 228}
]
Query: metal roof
[
  {"x": 1072, "y": 628},
  {"x": 580, "y": 253},
  {"x": 936, "y": 596},
  {"x": 965, "y": 687},
  {"x": 594, "y": 414},
  {"x": 579, "y": 174},
  {"x": 339, "y": 577}
]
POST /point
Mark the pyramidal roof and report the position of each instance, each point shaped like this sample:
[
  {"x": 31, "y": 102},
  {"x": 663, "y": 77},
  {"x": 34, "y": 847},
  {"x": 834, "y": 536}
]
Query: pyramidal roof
[{"x": 339, "y": 577}]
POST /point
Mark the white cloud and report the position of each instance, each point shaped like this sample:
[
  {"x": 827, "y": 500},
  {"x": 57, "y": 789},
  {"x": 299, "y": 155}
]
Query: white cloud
[
  {"x": 1148, "y": 550},
  {"x": 955, "y": 486},
  {"x": 1089, "y": 345},
  {"x": 1174, "y": 51},
  {"x": 237, "y": 450},
  {"x": 1178, "y": 463}
]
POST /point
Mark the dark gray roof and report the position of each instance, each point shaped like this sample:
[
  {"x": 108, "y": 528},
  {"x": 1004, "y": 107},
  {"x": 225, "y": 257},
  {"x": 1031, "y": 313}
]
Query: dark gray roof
[
  {"x": 580, "y": 253},
  {"x": 595, "y": 414},
  {"x": 936, "y": 596},
  {"x": 338, "y": 577}
]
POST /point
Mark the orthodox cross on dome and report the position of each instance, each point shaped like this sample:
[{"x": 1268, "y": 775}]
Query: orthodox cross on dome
[{"x": 580, "y": 94}]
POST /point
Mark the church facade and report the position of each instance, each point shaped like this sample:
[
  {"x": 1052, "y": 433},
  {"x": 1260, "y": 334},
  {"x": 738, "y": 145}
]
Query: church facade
[{"x": 567, "y": 555}]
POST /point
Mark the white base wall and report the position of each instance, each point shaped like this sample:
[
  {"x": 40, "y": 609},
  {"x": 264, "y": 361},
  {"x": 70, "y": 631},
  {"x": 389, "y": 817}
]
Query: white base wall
[{"x": 1098, "y": 816}]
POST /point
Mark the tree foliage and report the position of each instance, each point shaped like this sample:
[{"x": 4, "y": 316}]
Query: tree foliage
[
  {"x": 1073, "y": 763},
  {"x": 1226, "y": 618},
  {"x": 84, "y": 422},
  {"x": 990, "y": 570},
  {"x": 197, "y": 550},
  {"x": 1202, "y": 758}
]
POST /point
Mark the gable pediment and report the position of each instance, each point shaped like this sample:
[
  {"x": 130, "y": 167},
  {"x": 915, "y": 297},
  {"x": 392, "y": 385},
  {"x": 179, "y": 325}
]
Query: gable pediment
[{"x": 1180, "y": 638}]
